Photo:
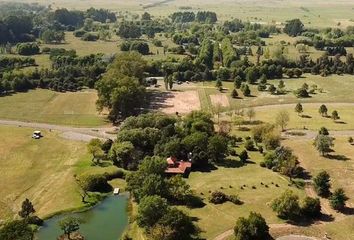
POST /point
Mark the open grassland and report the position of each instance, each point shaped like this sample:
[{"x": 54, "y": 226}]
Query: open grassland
[
  {"x": 75, "y": 109},
  {"x": 39, "y": 170},
  {"x": 320, "y": 13},
  {"x": 43, "y": 171},
  {"x": 215, "y": 219},
  {"x": 310, "y": 118}
]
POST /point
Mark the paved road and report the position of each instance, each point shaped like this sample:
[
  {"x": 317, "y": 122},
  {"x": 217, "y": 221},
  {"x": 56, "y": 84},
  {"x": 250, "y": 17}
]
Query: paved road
[{"x": 72, "y": 133}]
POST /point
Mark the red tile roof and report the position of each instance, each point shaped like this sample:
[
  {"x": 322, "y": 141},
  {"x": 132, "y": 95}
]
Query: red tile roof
[{"x": 180, "y": 166}]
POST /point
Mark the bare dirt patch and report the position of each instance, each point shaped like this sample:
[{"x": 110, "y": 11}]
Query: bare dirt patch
[
  {"x": 171, "y": 102},
  {"x": 219, "y": 99}
]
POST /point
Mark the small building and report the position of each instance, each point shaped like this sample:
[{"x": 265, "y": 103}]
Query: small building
[
  {"x": 116, "y": 191},
  {"x": 176, "y": 167}
]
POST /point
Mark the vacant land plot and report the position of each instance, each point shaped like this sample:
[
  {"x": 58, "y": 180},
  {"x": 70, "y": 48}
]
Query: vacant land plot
[
  {"x": 76, "y": 109},
  {"x": 215, "y": 219},
  {"x": 219, "y": 100},
  {"x": 176, "y": 101}
]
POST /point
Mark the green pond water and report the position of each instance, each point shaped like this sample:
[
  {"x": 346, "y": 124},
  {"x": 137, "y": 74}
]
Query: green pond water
[{"x": 106, "y": 221}]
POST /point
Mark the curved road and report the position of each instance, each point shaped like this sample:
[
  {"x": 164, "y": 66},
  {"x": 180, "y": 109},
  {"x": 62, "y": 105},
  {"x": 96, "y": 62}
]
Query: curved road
[{"x": 72, "y": 133}]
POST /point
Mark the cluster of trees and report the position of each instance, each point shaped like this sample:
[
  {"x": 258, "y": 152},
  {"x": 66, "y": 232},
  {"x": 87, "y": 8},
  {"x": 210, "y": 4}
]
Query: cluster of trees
[
  {"x": 21, "y": 229},
  {"x": 27, "y": 49},
  {"x": 322, "y": 185},
  {"x": 68, "y": 73},
  {"x": 10, "y": 63},
  {"x": 139, "y": 46},
  {"x": 202, "y": 16},
  {"x": 254, "y": 227},
  {"x": 287, "y": 206},
  {"x": 121, "y": 89},
  {"x": 191, "y": 138}
]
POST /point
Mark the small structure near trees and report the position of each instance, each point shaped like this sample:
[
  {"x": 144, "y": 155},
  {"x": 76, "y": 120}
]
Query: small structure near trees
[{"x": 176, "y": 167}]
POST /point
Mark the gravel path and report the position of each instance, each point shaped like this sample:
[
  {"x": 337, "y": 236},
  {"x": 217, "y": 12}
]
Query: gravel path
[{"x": 71, "y": 133}]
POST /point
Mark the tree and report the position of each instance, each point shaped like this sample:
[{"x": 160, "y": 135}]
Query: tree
[
  {"x": 122, "y": 154},
  {"x": 250, "y": 113},
  {"x": 252, "y": 228},
  {"x": 217, "y": 148},
  {"x": 234, "y": 93},
  {"x": 246, "y": 90},
  {"x": 322, "y": 184},
  {"x": 150, "y": 210},
  {"x": 16, "y": 230},
  {"x": 281, "y": 85},
  {"x": 146, "y": 16},
  {"x": 335, "y": 115},
  {"x": 323, "y": 110},
  {"x": 244, "y": 156},
  {"x": 272, "y": 89},
  {"x": 287, "y": 205},
  {"x": 27, "y": 209},
  {"x": 218, "y": 84},
  {"x": 69, "y": 225},
  {"x": 350, "y": 140},
  {"x": 94, "y": 147},
  {"x": 129, "y": 30},
  {"x": 299, "y": 109},
  {"x": 323, "y": 131},
  {"x": 323, "y": 144},
  {"x": 294, "y": 27},
  {"x": 338, "y": 199},
  {"x": 311, "y": 207},
  {"x": 282, "y": 119}
]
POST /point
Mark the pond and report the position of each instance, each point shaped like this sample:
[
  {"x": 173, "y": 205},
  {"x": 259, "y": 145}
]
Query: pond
[{"x": 106, "y": 221}]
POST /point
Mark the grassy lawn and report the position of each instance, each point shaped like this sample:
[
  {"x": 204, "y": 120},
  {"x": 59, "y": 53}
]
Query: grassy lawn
[
  {"x": 76, "y": 109},
  {"x": 311, "y": 119},
  {"x": 43, "y": 171},
  {"x": 215, "y": 219}
]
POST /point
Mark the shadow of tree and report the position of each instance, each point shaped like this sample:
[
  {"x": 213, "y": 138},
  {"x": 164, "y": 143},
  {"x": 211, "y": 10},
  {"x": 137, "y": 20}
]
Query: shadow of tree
[{"x": 338, "y": 157}]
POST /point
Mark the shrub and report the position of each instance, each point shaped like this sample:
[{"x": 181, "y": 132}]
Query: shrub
[
  {"x": 90, "y": 37},
  {"x": 287, "y": 205},
  {"x": 234, "y": 199},
  {"x": 79, "y": 33},
  {"x": 338, "y": 199},
  {"x": 254, "y": 227},
  {"x": 249, "y": 145},
  {"x": 244, "y": 156},
  {"x": 218, "y": 197},
  {"x": 119, "y": 173},
  {"x": 311, "y": 207},
  {"x": 27, "y": 49},
  {"x": 95, "y": 183}
]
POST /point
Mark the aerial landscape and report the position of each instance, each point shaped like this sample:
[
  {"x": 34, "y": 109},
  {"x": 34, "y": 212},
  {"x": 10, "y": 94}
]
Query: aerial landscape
[{"x": 176, "y": 120}]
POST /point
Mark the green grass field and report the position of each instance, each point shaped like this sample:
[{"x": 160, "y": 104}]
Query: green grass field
[
  {"x": 43, "y": 171},
  {"x": 75, "y": 109}
]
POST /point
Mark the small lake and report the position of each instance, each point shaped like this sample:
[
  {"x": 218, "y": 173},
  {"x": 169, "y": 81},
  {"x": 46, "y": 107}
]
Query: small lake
[{"x": 106, "y": 221}]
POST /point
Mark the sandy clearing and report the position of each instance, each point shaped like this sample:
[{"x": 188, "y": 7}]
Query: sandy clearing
[
  {"x": 219, "y": 99},
  {"x": 181, "y": 102}
]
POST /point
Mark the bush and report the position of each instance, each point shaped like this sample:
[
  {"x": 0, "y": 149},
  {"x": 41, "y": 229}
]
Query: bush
[
  {"x": 79, "y": 33},
  {"x": 116, "y": 174},
  {"x": 139, "y": 46},
  {"x": 46, "y": 50},
  {"x": 34, "y": 220},
  {"x": 27, "y": 49},
  {"x": 95, "y": 183},
  {"x": 249, "y": 145},
  {"x": 218, "y": 197},
  {"x": 234, "y": 199},
  {"x": 90, "y": 37},
  {"x": 244, "y": 156},
  {"x": 252, "y": 228},
  {"x": 287, "y": 205},
  {"x": 311, "y": 207},
  {"x": 338, "y": 199}
]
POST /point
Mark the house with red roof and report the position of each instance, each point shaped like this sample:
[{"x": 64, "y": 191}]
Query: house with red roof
[{"x": 176, "y": 167}]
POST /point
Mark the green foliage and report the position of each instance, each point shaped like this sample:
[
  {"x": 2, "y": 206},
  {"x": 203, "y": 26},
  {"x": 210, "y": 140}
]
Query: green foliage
[
  {"x": 139, "y": 46},
  {"x": 244, "y": 156},
  {"x": 287, "y": 205},
  {"x": 90, "y": 37},
  {"x": 150, "y": 210},
  {"x": 228, "y": 52},
  {"x": 322, "y": 183},
  {"x": 51, "y": 36},
  {"x": 311, "y": 207},
  {"x": 234, "y": 93},
  {"x": 252, "y": 228},
  {"x": 129, "y": 30},
  {"x": 217, "y": 148},
  {"x": 323, "y": 144},
  {"x": 294, "y": 27},
  {"x": 17, "y": 229},
  {"x": 338, "y": 199},
  {"x": 69, "y": 225},
  {"x": 323, "y": 110},
  {"x": 95, "y": 183},
  {"x": 299, "y": 109},
  {"x": 27, "y": 49}
]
